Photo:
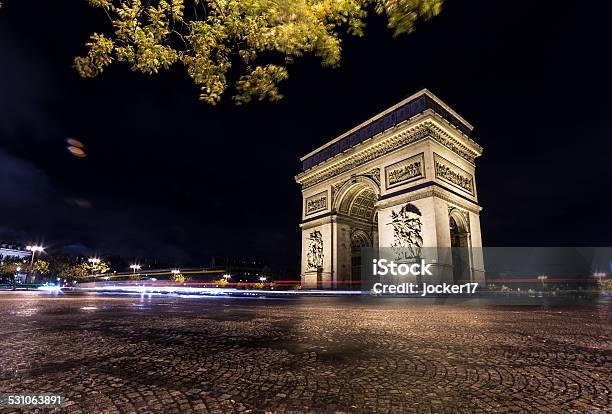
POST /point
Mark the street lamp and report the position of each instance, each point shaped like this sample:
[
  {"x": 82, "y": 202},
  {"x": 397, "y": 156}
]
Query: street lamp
[
  {"x": 135, "y": 267},
  {"x": 263, "y": 279},
  {"x": 33, "y": 249},
  {"x": 175, "y": 271},
  {"x": 542, "y": 278},
  {"x": 599, "y": 276},
  {"x": 17, "y": 270},
  {"x": 94, "y": 261},
  {"x": 227, "y": 277}
]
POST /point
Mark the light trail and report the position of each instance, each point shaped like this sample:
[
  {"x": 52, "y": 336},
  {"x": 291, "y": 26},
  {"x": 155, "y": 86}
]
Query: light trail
[
  {"x": 208, "y": 291},
  {"x": 50, "y": 288}
]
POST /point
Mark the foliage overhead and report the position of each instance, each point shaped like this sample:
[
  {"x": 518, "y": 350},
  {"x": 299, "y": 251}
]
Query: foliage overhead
[{"x": 241, "y": 44}]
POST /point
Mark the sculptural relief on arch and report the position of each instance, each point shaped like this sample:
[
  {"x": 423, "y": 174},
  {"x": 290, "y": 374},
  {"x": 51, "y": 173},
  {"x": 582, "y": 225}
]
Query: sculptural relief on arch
[{"x": 403, "y": 180}]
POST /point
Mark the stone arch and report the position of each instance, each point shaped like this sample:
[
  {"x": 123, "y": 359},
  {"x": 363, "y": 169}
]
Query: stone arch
[
  {"x": 458, "y": 217},
  {"x": 360, "y": 238},
  {"x": 356, "y": 197},
  {"x": 355, "y": 205},
  {"x": 460, "y": 245}
]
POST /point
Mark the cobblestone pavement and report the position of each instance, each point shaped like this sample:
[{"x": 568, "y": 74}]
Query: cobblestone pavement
[{"x": 180, "y": 355}]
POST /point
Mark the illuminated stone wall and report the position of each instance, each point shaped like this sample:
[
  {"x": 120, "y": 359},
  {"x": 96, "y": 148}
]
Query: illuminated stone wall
[{"x": 399, "y": 187}]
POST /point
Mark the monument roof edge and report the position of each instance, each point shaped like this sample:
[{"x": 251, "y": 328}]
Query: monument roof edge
[{"x": 423, "y": 91}]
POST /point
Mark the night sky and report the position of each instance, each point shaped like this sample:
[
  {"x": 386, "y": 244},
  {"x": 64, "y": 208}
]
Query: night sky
[{"x": 171, "y": 178}]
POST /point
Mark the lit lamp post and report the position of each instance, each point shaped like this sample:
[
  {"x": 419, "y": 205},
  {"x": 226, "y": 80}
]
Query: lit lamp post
[
  {"x": 227, "y": 277},
  {"x": 94, "y": 261},
  {"x": 599, "y": 276},
  {"x": 17, "y": 270},
  {"x": 542, "y": 278},
  {"x": 34, "y": 249},
  {"x": 135, "y": 267}
]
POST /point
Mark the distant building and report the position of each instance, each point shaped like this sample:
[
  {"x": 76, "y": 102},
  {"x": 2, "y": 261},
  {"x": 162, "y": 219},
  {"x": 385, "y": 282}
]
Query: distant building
[
  {"x": 241, "y": 269},
  {"x": 13, "y": 251}
]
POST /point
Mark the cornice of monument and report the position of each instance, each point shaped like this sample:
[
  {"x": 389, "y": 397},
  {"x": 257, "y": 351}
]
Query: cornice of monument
[
  {"x": 422, "y": 92},
  {"x": 428, "y": 125},
  {"x": 404, "y": 112}
]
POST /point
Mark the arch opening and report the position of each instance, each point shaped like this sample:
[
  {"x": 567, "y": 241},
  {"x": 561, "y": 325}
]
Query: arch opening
[
  {"x": 459, "y": 235},
  {"x": 359, "y": 241},
  {"x": 358, "y": 222}
]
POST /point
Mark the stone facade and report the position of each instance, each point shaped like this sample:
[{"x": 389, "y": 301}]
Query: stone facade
[{"x": 410, "y": 185}]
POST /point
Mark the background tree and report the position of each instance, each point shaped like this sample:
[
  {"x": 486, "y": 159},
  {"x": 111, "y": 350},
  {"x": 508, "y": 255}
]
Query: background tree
[
  {"x": 41, "y": 267},
  {"x": 8, "y": 268},
  {"x": 75, "y": 271},
  {"x": 220, "y": 282},
  {"x": 97, "y": 268},
  {"x": 58, "y": 263},
  {"x": 243, "y": 43},
  {"x": 178, "y": 277},
  {"x": 605, "y": 285}
]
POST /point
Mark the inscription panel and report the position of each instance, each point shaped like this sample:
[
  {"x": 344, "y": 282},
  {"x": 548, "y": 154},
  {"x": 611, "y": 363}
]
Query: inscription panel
[
  {"x": 405, "y": 171},
  {"x": 316, "y": 203},
  {"x": 452, "y": 174}
]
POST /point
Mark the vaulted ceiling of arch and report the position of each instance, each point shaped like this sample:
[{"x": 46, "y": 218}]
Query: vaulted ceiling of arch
[
  {"x": 349, "y": 196},
  {"x": 363, "y": 204},
  {"x": 358, "y": 202}
]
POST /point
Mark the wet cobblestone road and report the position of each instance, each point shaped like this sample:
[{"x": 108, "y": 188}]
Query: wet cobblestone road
[{"x": 180, "y": 355}]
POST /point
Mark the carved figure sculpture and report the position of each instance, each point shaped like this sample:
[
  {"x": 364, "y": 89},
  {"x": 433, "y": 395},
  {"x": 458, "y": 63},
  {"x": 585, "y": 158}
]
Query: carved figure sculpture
[
  {"x": 315, "y": 250},
  {"x": 407, "y": 230}
]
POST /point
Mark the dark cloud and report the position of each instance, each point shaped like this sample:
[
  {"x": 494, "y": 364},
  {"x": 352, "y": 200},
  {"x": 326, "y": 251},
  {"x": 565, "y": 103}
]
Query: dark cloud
[
  {"x": 27, "y": 88},
  {"x": 21, "y": 184}
]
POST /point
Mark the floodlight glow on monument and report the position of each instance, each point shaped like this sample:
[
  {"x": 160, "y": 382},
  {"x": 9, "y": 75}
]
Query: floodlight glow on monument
[{"x": 403, "y": 180}]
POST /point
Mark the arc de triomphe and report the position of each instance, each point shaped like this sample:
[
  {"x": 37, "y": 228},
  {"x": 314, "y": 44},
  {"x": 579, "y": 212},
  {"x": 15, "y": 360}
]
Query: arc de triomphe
[{"x": 412, "y": 164}]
